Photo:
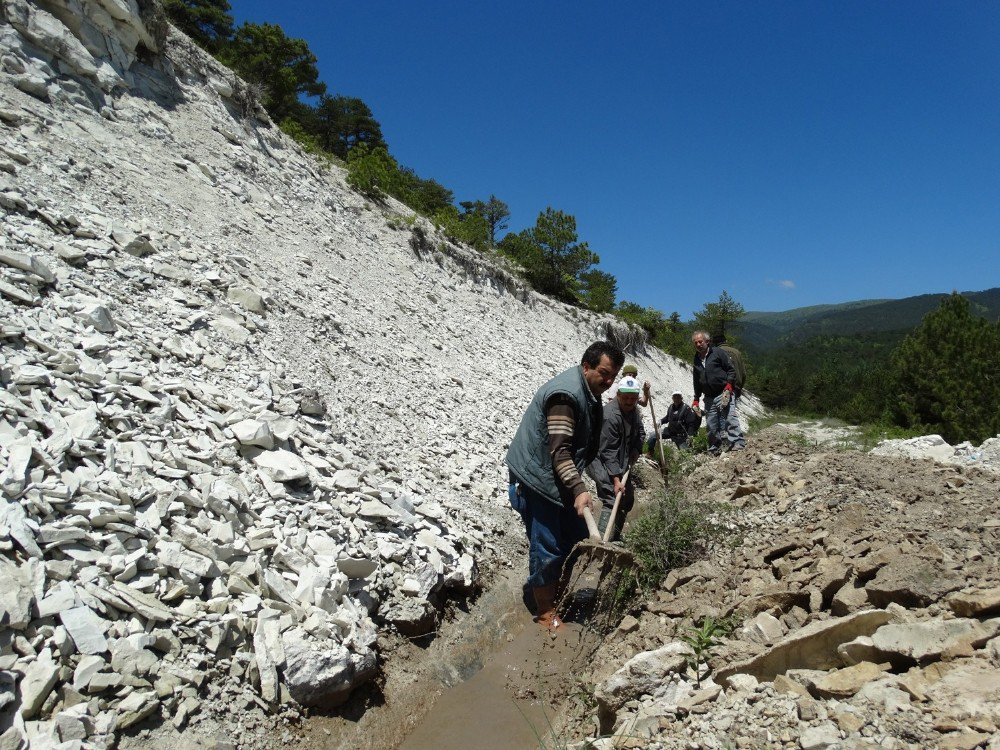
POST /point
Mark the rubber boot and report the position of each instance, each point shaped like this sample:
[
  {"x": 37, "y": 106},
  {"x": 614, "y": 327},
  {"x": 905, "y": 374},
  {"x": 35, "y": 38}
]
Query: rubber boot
[{"x": 545, "y": 600}]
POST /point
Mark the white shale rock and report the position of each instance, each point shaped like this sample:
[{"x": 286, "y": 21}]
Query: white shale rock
[
  {"x": 253, "y": 432},
  {"x": 97, "y": 315},
  {"x": 347, "y": 480},
  {"x": 173, "y": 555},
  {"x": 39, "y": 679},
  {"x": 248, "y": 299},
  {"x": 281, "y": 465},
  {"x": 323, "y": 672},
  {"x": 86, "y": 629},
  {"x": 14, "y": 478},
  {"x": 17, "y": 594}
]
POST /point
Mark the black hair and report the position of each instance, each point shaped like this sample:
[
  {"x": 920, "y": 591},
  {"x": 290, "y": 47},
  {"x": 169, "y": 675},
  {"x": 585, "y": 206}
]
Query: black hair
[{"x": 592, "y": 357}]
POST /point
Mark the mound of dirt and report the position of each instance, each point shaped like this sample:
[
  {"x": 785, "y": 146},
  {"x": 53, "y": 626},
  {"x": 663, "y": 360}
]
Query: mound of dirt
[{"x": 858, "y": 606}]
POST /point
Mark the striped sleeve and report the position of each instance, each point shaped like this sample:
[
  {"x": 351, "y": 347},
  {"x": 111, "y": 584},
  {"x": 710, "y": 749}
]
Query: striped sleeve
[{"x": 561, "y": 423}]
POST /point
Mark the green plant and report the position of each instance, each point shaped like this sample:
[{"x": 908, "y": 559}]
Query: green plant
[
  {"x": 309, "y": 143},
  {"x": 870, "y": 435},
  {"x": 675, "y": 531},
  {"x": 946, "y": 374},
  {"x": 207, "y": 22},
  {"x": 674, "y": 462},
  {"x": 284, "y": 67},
  {"x": 797, "y": 438},
  {"x": 371, "y": 171},
  {"x": 400, "y": 222},
  {"x": 699, "y": 443},
  {"x": 704, "y": 638},
  {"x": 469, "y": 229}
]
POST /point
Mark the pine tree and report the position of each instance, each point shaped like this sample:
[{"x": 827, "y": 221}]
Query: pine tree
[
  {"x": 717, "y": 317},
  {"x": 494, "y": 212},
  {"x": 207, "y": 22},
  {"x": 598, "y": 290},
  {"x": 285, "y": 68},
  {"x": 947, "y": 374}
]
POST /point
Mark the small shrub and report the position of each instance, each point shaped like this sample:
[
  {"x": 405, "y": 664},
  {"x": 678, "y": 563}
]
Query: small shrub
[
  {"x": 677, "y": 462},
  {"x": 870, "y": 435},
  {"x": 675, "y": 532},
  {"x": 699, "y": 443},
  {"x": 371, "y": 171},
  {"x": 309, "y": 143},
  {"x": 400, "y": 222},
  {"x": 420, "y": 243}
]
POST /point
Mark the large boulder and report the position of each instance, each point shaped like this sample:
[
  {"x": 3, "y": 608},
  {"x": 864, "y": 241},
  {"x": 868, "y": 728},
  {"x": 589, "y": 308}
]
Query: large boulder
[
  {"x": 643, "y": 673},
  {"x": 812, "y": 647},
  {"x": 323, "y": 673},
  {"x": 912, "y": 582},
  {"x": 924, "y": 642}
]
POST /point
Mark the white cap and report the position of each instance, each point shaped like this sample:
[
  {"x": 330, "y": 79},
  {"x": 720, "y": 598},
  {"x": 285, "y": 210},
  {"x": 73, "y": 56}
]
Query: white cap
[
  {"x": 628, "y": 384},
  {"x": 677, "y": 393}
]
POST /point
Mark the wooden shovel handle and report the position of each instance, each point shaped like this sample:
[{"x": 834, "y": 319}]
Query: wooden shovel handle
[
  {"x": 595, "y": 534},
  {"x": 614, "y": 511}
]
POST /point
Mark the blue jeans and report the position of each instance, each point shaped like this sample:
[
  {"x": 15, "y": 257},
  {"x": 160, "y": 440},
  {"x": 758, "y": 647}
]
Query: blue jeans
[
  {"x": 552, "y": 531},
  {"x": 723, "y": 423},
  {"x": 734, "y": 432}
]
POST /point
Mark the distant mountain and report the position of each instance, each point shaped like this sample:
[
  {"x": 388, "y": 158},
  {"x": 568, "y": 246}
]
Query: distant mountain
[{"x": 766, "y": 330}]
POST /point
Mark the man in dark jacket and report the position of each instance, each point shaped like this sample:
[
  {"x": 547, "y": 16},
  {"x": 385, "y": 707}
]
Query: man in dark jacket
[
  {"x": 714, "y": 376},
  {"x": 621, "y": 442},
  {"x": 558, "y": 436},
  {"x": 681, "y": 422}
]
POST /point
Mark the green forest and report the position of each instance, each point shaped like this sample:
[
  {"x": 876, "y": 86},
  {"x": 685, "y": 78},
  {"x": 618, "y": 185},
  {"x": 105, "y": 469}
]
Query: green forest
[
  {"x": 863, "y": 362},
  {"x": 943, "y": 376}
]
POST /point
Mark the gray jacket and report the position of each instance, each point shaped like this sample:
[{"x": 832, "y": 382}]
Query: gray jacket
[
  {"x": 621, "y": 435},
  {"x": 528, "y": 456}
]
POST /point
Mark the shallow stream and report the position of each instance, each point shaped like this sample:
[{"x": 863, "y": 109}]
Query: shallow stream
[{"x": 490, "y": 679}]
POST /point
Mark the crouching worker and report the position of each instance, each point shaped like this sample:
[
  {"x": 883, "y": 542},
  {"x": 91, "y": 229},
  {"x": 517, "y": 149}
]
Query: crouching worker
[
  {"x": 621, "y": 441},
  {"x": 681, "y": 422},
  {"x": 558, "y": 436}
]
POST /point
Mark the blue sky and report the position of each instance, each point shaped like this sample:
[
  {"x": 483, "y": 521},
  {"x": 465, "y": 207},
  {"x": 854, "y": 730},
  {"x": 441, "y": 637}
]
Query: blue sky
[{"x": 792, "y": 153}]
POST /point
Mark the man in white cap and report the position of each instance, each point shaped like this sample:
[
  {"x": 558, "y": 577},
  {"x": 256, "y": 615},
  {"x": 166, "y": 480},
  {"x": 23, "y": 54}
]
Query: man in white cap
[
  {"x": 622, "y": 434},
  {"x": 681, "y": 421},
  {"x": 609, "y": 395}
]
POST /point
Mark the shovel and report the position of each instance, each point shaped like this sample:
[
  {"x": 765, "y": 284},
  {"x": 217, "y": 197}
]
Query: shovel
[
  {"x": 599, "y": 543},
  {"x": 594, "y": 565},
  {"x": 595, "y": 532}
]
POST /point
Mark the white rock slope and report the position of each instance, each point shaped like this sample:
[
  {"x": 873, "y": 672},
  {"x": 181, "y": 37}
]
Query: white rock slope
[{"x": 244, "y": 421}]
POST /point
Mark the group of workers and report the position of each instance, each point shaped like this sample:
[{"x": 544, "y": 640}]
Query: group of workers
[{"x": 567, "y": 431}]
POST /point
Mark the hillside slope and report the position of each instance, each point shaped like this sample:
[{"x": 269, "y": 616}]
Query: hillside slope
[
  {"x": 246, "y": 425},
  {"x": 766, "y": 330}
]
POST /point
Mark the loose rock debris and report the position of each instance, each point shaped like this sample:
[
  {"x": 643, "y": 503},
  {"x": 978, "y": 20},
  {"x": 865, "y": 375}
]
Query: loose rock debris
[{"x": 865, "y": 605}]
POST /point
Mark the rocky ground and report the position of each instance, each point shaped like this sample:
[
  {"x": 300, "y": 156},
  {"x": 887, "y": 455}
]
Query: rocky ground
[
  {"x": 863, "y": 597},
  {"x": 251, "y": 431}
]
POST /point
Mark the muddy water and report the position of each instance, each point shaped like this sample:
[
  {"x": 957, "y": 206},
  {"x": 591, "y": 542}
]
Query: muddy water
[
  {"x": 509, "y": 704},
  {"x": 490, "y": 679}
]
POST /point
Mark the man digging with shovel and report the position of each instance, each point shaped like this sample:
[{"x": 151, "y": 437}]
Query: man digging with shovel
[
  {"x": 558, "y": 436},
  {"x": 621, "y": 441}
]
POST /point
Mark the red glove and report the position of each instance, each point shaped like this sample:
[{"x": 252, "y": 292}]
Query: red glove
[
  {"x": 694, "y": 404},
  {"x": 729, "y": 386}
]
